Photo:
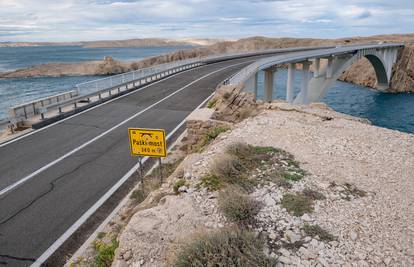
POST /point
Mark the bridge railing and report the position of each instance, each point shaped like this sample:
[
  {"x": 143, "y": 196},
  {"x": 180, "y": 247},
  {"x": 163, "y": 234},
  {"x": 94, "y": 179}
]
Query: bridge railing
[
  {"x": 245, "y": 73},
  {"x": 107, "y": 87}
]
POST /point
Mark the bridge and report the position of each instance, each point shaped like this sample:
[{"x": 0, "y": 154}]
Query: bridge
[
  {"x": 58, "y": 182},
  {"x": 314, "y": 86}
]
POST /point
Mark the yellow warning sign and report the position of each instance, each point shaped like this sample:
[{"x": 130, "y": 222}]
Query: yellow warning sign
[{"x": 147, "y": 142}]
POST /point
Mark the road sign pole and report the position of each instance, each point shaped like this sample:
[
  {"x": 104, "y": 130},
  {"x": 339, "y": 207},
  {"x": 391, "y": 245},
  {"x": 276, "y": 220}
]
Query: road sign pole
[{"x": 159, "y": 163}]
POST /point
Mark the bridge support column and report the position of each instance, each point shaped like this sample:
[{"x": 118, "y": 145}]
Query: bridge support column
[
  {"x": 290, "y": 82},
  {"x": 316, "y": 67},
  {"x": 305, "y": 82},
  {"x": 268, "y": 81},
  {"x": 329, "y": 68},
  {"x": 254, "y": 81}
]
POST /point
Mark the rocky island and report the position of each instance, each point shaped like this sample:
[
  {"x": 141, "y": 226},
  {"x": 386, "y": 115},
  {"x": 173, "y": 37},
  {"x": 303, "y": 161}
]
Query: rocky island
[{"x": 360, "y": 73}]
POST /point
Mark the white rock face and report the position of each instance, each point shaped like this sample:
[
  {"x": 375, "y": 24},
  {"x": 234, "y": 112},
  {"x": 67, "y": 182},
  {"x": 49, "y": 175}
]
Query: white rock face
[{"x": 372, "y": 230}]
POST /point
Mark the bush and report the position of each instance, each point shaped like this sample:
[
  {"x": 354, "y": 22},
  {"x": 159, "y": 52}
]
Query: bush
[
  {"x": 231, "y": 171},
  {"x": 227, "y": 247},
  {"x": 238, "y": 207},
  {"x": 297, "y": 204},
  {"x": 105, "y": 253},
  {"x": 316, "y": 230},
  {"x": 212, "y": 103},
  {"x": 178, "y": 184},
  {"x": 211, "y": 182},
  {"x": 213, "y": 133},
  {"x": 292, "y": 176},
  {"x": 251, "y": 156}
]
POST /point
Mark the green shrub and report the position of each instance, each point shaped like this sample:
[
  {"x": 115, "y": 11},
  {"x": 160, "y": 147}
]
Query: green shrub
[
  {"x": 213, "y": 133},
  {"x": 178, "y": 184},
  {"x": 212, "y": 182},
  {"x": 212, "y": 103},
  {"x": 238, "y": 207},
  {"x": 292, "y": 176},
  {"x": 226, "y": 247},
  {"x": 105, "y": 253},
  {"x": 251, "y": 157},
  {"x": 231, "y": 171},
  {"x": 316, "y": 230},
  {"x": 297, "y": 204}
]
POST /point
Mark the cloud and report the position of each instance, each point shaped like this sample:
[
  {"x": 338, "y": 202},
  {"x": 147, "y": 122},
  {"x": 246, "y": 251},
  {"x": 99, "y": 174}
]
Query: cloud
[{"x": 71, "y": 20}]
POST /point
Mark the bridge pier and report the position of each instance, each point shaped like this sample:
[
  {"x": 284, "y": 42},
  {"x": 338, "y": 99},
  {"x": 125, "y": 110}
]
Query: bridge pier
[
  {"x": 253, "y": 84},
  {"x": 304, "y": 85},
  {"x": 268, "y": 82},
  {"x": 290, "y": 82}
]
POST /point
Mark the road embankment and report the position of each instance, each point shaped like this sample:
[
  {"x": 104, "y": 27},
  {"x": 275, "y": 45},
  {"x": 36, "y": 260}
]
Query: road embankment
[{"x": 311, "y": 185}]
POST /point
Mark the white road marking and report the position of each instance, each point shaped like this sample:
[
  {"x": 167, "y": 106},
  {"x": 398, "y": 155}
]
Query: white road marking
[
  {"x": 92, "y": 108},
  {"x": 47, "y": 166},
  {"x": 100, "y": 202}
]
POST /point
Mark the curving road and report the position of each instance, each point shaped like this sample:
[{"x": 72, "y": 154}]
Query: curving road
[
  {"x": 50, "y": 178},
  {"x": 53, "y": 178}
]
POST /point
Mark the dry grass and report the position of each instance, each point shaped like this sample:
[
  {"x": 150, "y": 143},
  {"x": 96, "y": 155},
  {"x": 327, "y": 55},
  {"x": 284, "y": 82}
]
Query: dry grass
[
  {"x": 297, "y": 204},
  {"x": 226, "y": 247},
  {"x": 237, "y": 206}
]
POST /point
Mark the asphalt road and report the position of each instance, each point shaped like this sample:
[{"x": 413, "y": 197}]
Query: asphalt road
[
  {"x": 64, "y": 169},
  {"x": 34, "y": 214}
]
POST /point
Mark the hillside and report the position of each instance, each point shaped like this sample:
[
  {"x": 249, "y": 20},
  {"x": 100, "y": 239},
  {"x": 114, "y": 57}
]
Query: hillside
[
  {"x": 360, "y": 73},
  {"x": 119, "y": 43}
]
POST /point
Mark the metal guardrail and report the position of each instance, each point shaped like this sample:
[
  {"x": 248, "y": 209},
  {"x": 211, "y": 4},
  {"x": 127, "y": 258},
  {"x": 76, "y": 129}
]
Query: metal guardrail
[
  {"x": 29, "y": 109},
  {"x": 121, "y": 82},
  {"x": 244, "y": 74}
]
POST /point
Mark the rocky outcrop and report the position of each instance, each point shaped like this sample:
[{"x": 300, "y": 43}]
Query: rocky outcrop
[
  {"x": 360, "y": 73},
  {"x": 363, "y": 73},
  {"x": 233, "y": 105}
]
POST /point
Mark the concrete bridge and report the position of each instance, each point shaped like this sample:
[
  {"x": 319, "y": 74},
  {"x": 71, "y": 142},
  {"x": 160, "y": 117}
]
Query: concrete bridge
[
  {"x": 315, "y": 85},
  {"x": 60, "y": 181}
]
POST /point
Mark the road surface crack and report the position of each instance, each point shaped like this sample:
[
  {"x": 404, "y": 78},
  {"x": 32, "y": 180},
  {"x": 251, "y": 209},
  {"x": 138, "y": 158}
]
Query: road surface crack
[{"x": 14, "y": 258}]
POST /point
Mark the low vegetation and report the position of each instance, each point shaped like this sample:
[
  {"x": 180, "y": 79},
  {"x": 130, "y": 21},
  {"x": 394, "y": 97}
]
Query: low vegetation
[
  {"x": 297, "y": 204},
  {"x": 237, "y": 206},
  {"x": 105, "y": 252},
  {"x": 212, "y": 182},
  {"x": 316, "y": 230},
  {"x": 226, "y": 247},
  {"x": 213, "y": 133},
  {"x": 179, "y": 183},
  {"x": 212, "y": 103},
  {"x": 313, "y": 194}
]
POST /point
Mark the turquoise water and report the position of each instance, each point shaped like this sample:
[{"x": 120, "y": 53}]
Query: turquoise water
[
  {"x": 20, "y": 90},
  {"x": 393, "y": 111}
]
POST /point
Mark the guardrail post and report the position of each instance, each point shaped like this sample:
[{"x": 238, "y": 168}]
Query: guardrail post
[
  {"x": 60, "y": 110},
  {"x": 25, "y": 113}
]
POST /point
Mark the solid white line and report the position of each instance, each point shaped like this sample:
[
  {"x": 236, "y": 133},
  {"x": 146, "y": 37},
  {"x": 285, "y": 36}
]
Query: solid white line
[
  {"x": 47, "y": 166},
  {"x": 102, "y": 200},
  {"x": 92, "y": 108}
]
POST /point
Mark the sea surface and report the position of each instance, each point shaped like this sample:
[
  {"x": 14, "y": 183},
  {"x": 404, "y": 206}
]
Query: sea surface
[
  {"x": 20, "y": 90},
  {"x": 394, "y": 111}
]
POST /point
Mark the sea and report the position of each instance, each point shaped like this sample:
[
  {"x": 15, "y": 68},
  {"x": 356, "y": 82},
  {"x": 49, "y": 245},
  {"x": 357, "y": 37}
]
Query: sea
[{"x": 393, "y": 111}]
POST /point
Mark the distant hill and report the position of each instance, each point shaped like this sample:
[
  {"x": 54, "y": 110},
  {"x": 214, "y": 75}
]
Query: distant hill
[{"x": 119, "y": 43}]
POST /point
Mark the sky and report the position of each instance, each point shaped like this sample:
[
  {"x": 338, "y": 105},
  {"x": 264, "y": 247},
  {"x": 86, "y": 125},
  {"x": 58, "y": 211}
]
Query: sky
[{"x": 86, "y": 20}]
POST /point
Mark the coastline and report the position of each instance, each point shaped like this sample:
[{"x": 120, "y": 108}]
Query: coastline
[{"x": 360, "y": 73}]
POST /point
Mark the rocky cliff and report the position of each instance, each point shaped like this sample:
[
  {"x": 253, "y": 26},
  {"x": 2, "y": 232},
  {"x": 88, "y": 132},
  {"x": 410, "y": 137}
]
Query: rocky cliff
[{"x": 362, "y": 72}]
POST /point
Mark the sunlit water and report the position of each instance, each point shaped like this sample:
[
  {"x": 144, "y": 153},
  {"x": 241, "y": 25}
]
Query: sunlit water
[
  {"x": 20, "y": 90},
  {"x": 394, "y": 111}
]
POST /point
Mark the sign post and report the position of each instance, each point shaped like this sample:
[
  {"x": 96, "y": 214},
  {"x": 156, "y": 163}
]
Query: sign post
[{"x": 148, "y": 142}]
